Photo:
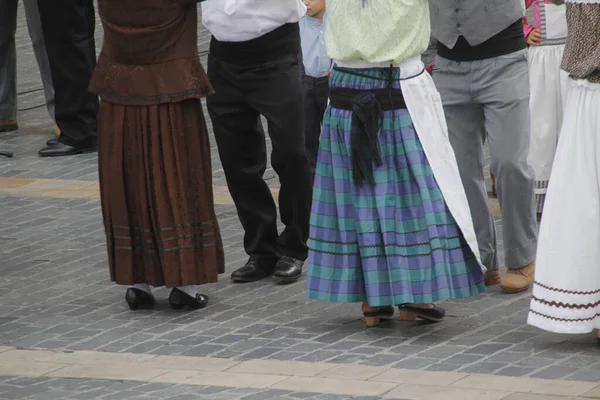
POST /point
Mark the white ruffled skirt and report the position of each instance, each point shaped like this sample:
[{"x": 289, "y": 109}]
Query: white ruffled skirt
[{"x": 566, "y": 292}]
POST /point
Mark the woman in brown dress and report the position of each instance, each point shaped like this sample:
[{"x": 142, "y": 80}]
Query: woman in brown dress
[{"x": 154, "y": 152}]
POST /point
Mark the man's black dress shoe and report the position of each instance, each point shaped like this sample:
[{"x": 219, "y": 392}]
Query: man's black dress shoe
[
  {"x": 287, "y": 270},
  {"x": 52, "y": 142},
  {"x": 179, "y": 299},
  {"x": 61, "y": 149},
  {"x": 254, "y": 270},
  {"x": 137, "y": 298}
]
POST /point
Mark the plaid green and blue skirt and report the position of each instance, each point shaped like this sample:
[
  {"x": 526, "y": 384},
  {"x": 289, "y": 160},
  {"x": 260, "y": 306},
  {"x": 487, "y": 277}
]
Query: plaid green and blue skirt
[{"x": 390, "y": 242}]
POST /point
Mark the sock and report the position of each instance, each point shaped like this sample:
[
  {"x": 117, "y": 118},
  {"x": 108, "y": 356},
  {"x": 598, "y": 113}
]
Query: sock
[
  {"x": 191, "y": 290},
  {"x": 142, "y": 286}
]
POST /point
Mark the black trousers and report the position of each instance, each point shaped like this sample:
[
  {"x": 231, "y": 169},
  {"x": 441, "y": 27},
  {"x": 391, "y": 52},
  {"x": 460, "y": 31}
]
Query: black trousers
[
  {"x": 243, "y": 93},
  {"x": 316, "y": 92},
  {"x": 69, "y": 27}
]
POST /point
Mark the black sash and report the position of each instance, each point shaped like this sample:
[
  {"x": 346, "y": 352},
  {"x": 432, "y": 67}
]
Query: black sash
[{"x": 367, "y": 108}]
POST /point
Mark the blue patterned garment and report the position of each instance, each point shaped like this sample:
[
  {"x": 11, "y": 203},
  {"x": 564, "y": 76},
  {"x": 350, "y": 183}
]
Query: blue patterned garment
[{"x": 392, "y": 242}]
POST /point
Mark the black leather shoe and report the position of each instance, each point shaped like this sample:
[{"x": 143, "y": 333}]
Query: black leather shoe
[
  {"x": 288, "y": 270},
  {"x": 254, "y": 270},
  {"x": 52, "y": 142},
  {"x": 137, "y": 298},
  {"x": 409, "y": 312},
  {"x": 179, "y": 299},
  {"x": 372, "y": 318},
  {"x": 61, "y": 149}
]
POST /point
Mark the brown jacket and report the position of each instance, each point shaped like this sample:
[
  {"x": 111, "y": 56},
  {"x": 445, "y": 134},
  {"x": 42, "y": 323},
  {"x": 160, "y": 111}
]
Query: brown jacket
[{"x": 149, "y": 54}]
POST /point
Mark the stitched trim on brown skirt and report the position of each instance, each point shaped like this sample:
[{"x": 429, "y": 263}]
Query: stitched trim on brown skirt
[{"x": 153, "y": 249}]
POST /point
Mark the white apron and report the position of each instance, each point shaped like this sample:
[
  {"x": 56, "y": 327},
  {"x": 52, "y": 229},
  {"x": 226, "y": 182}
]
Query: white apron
[
  {"x": 566, "y": 292},
  {"x": 549, "y": 88},
  {"x": 424, "y": 105}
]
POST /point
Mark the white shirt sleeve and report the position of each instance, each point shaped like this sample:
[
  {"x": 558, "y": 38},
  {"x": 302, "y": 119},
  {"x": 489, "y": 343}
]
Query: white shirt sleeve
[{"x": 243, "y": 20}]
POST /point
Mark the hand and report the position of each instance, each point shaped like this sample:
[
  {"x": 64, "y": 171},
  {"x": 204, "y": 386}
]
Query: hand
[{"x": 534, "y": 38}]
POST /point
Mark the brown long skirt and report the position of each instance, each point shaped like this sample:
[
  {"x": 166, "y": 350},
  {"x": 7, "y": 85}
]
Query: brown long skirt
[{"x": 156, "y": 193}]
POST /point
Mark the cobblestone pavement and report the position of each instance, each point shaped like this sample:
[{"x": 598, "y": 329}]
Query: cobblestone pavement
[
  {"x": 41, "y": 388},
  {"x": 55, "y": 294}
]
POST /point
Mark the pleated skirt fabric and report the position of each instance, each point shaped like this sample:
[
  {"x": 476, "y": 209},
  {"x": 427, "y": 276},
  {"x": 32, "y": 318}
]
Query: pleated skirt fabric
[
  {"x": 156, "y": 195},
  {"x": 392, "y": 242}
]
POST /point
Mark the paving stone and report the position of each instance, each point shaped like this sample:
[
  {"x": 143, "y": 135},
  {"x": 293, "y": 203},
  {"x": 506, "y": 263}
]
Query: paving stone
[
  {"x": 175, "y": 390},
  {"x": 482, "y": 367},
  {"x": 209, "y": 389},
  {"x": 27, "y": 381},
  {"x": 534, "y": 362},
  {"x": 442, "y": 367},
  {"x": 267, "y": 352},
  {"x": 319, "y": 356},
  {"x": 408, "y": 349},
  {"x": 203, "y": 350},
  {"x": 368, "y": 350},
  {"x": 121, "y": 394},
  {"x": 50, "y": 395},
  {"x": 414, "y": 363},
  {"x": 342, "y": 345},
  {"x": 381, "y": 360},
  {"x": 442, "y": 352},
  {"x": 243, "y": 391},
  {"x": 253, "y": 344},
  {"x": 265, "y": 395},
  {"x": 472, "y": 340},
  {"x": 506, "y": 357},
  {"x": 332, "y": 337},
  {"x": 285, "y": 355},
  {"x": 462, "y": 359},
  {"x": 306, "y": 347},
  {"x": 279, "y": 333},
  {"x": 487, "y": 349},
  {"x": 555, "y": 372},
  {"x": 513, "y": 337},
  {"x": 301, "y": 395},
  {"x": 229, "y": 339},
  {"x": 580, "y": 361},
  {"x": 366, "y": 398},
  {"x": 348, "y": 359},
  {"x": 93, "y": 394},
  {"x": 585, "y": 375},
  {"x": 258, "y": 328}
]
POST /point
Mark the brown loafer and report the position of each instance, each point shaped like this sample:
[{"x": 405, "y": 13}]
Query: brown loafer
[{"x": 492, "y": 277}]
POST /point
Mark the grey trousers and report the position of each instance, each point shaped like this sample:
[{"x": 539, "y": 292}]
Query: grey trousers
[
  {"x": 8, "y": 56},
  {"x": 430, "y": 54},
  {"x": 493, "y": 96}
]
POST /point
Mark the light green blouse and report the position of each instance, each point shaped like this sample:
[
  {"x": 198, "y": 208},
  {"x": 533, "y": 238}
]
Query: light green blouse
[{"x": 377, "y": 31}]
